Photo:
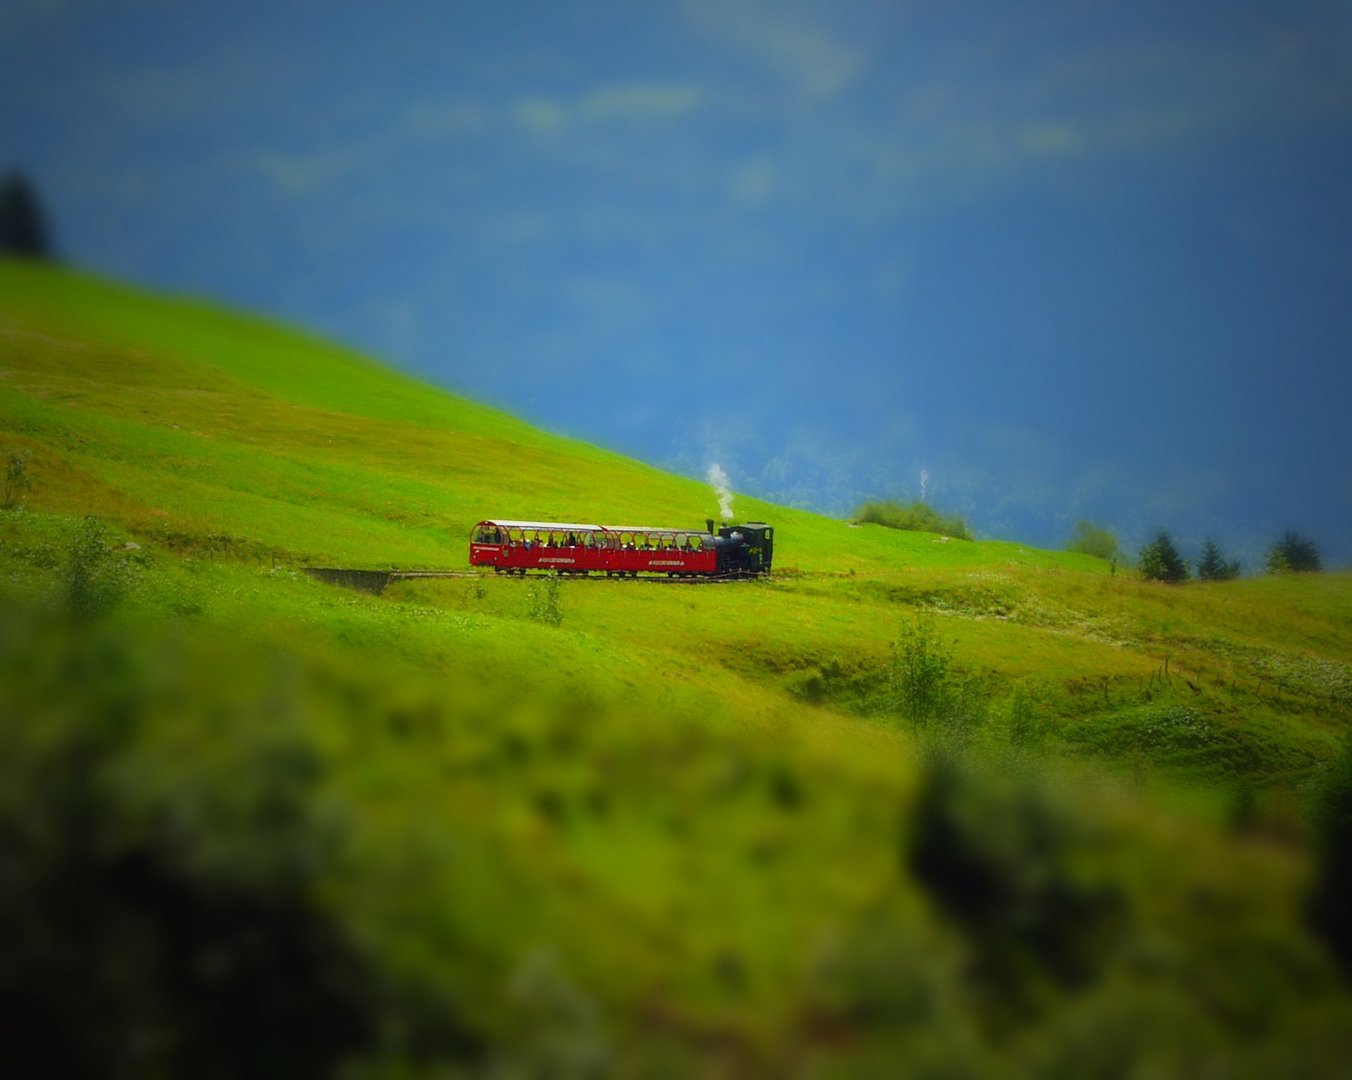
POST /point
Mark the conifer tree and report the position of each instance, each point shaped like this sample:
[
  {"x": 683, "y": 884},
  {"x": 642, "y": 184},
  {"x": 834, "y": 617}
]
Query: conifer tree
[
  {"x": 1293, "y": 552},
  {"x": 1213, "y": 565},
  {"x": 23, "y": 227},
  {"x": 1160, "y": 560}
]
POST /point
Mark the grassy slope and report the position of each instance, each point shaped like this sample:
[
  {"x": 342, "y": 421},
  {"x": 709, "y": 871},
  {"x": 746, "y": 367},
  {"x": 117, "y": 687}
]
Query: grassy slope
[
  {"x": 223, "y": 445},
  {"x": 212, "y": 433}
]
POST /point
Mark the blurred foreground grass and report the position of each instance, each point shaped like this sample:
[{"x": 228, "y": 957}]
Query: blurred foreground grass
[{"x": 252, "y": 824}]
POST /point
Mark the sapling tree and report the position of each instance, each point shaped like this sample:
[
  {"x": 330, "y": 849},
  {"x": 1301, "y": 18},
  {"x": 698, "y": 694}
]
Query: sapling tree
[{"x": 923, "y": 688}]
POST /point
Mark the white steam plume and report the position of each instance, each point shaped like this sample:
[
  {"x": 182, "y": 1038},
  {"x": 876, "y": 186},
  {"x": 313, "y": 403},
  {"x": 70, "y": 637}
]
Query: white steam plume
[
  {"x": 924, "y": 483},
  {"x": 723, "y": 486}
]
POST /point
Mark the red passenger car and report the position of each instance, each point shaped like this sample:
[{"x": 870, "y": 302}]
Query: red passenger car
[{"x": 575, "y": 548}]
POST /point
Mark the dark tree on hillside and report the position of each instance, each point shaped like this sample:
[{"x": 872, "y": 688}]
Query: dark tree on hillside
[
  {"x": 23, "y": 227},
  {"x": 1213, "y": 565},
  {"x": 1160, "y": 560},
  {"x": 1293, "y": 552}
]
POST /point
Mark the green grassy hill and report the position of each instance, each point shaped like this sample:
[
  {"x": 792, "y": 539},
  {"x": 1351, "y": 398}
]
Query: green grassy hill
[{"x": 912, "y": 803}]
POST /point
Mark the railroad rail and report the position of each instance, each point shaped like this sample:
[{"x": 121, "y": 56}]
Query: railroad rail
[{"x": 376, "y": 581}]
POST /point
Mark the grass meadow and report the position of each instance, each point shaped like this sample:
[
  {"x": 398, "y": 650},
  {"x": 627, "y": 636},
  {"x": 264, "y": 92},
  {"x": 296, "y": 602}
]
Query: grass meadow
[{"x": 910, "y": 806}]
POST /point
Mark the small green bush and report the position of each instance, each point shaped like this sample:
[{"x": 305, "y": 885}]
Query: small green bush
[
  {"x": 1330, "y": 901},
  {"x": 1090, "y": 539},
  {"x": 543, "y": 603},
  {"x": 922, "y": 687},
  {"x": 94, "y": 581},
  {"x": 153, "y": 886},
  {"x": 997, "y": 855},
  {"x": 915, "y": 517},
  {"x": 16, "y": 480}
]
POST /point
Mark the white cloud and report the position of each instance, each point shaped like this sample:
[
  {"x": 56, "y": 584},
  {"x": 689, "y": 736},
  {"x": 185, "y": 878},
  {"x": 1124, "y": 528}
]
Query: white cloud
[
  {"x": 539, "y": 114},
  {"x": 615, "y": 103},
  {"x": 445, "y": 118},
  {"x": 640, "y": 101},
  {"x": 753, "y": 182},
  {"x": 814, "y": 61}
]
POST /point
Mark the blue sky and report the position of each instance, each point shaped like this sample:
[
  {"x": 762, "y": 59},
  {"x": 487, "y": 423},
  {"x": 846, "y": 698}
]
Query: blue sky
[{"x": 1067, "y": 259}]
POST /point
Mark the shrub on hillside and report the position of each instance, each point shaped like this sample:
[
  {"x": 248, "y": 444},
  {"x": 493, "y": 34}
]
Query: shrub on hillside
[
  {"x": 159, "y": 909},
  {"x": 922, "y": 687},
  {"x": 1213, "y": 566},
  {"x": 1089, "y": 539},
  {"x": 1160, "y": 560},
  {"x": 94, "y": 579},
  {"x": 1330, "y": 902},
  {"x": 1293, "y": 552},
  {"x": 543, "y": 603},
  {"x": 912, "y": 517},
  {"x": 996, "y": 853},
  {"x": 16, "y": 480}
]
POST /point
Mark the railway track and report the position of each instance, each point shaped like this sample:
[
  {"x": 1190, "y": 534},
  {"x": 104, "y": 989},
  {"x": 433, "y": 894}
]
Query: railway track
[{"x": 376, "y": 581}]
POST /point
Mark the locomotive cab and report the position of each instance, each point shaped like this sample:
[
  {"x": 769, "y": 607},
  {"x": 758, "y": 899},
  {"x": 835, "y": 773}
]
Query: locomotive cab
[
  {"x": 759, "y": 548},
  {"x": 745, "y": 549}
]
